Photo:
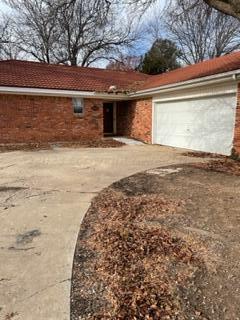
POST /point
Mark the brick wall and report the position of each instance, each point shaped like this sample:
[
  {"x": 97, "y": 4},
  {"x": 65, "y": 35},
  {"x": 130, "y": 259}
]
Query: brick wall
[
  {"x": 42, "y": 119},
  {"x": 237, "y": 126},
  {"x": 134, "y": 119}
]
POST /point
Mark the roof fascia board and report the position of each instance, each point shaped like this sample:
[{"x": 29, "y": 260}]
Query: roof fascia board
[
  {"x": 61, "y": 93},
  {"x": 219, "y": 78},
  {"x": 195, "y": 95}
]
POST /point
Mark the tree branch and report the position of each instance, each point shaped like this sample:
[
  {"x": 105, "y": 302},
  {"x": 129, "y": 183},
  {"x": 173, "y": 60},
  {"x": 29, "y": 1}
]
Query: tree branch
[{"x": 230, "y": 7}]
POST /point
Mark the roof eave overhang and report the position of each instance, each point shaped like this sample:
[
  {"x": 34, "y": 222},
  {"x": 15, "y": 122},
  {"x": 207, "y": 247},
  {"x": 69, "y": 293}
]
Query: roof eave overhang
[
  {"x": 231, "y": 76},
  {"x": 62, "y": 93}
]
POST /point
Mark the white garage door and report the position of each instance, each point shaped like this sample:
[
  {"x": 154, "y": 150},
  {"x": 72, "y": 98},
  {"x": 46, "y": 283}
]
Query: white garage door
[{"x": 203, "y": 124}]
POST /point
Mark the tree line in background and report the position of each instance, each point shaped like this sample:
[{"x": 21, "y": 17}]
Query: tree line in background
[
  {"x": 81, "y": 32},
  {"x": 195, "y": 32},
  {"x": 75, "y": 32}
]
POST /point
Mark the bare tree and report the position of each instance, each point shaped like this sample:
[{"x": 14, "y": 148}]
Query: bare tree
[
  {"x": 35, "y": 29},
  {"x": 69, "y": 31},
  {"x": 8, "y": 49},
  {"x": 125, "y": 63},
  {"x": 200, "y": 31},
  {"x": 153, "y": 25},
  {"x": 229, "y": 7},
  {"x": 91, "y": 30},
  {"x": 3, "y": 34}
]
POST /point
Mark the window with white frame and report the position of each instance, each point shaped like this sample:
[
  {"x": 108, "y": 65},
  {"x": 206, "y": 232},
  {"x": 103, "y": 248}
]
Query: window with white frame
[{"x": 78, "y": 106}]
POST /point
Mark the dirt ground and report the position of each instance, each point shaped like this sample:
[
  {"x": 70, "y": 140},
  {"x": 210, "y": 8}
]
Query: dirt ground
[{"x": 163, "y": 244}]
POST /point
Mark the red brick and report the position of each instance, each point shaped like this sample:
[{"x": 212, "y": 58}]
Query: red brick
[
  {"x": 48, "y": 119},
  {"x": 134, "y": 119}
]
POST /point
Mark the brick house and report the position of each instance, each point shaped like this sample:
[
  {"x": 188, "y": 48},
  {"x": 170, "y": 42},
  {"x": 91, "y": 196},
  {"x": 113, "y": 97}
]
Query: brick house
[{"x": 195, "y": 107}]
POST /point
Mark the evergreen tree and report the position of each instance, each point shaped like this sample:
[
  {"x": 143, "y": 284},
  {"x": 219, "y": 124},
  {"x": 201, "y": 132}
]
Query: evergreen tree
[{"x": 162, "y": 57}]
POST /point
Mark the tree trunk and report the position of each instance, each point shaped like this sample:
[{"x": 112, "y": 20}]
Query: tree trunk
[
  {"x": 73, "y": 61},
  {"x": 230, "y": 7}
]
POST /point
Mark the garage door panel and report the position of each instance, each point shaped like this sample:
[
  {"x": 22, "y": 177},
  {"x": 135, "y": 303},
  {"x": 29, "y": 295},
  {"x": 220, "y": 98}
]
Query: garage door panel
[{"x": 199, "y": 124}]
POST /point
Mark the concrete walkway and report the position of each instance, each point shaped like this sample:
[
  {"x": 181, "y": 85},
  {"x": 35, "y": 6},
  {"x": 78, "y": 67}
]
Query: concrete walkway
[
  {"x": 43, "y": 198},
  {"x": 128, "y": 141}
]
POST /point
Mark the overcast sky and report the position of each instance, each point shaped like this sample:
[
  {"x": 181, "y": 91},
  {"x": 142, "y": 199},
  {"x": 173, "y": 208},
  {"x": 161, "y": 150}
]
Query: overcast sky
[{"x": 3, "y": 7}]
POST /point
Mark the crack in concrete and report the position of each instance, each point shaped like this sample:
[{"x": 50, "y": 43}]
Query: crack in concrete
[
  {"x": 14, "y": 181},
  {"x": 9, "y": 166},
  {"x": 65, "y": 191},
  {"x": 39, "y": 194},
  {"x": 4, "y": 279},
  {"x": 13, "y": 195},
  {"x": 7, "y": 206},
  {"x": 21, "y": 249},
  {"x": 28, "y": 236},
  {"x": 11, "y": 315},
  {"x": 44, "y": 289}
]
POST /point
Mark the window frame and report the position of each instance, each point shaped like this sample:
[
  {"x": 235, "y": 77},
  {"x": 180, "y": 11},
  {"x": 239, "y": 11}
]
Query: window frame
[{"x": 75, "y": 104}]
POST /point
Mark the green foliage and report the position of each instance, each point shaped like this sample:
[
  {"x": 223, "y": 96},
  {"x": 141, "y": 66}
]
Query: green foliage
[{"x": 162, "y": 57}]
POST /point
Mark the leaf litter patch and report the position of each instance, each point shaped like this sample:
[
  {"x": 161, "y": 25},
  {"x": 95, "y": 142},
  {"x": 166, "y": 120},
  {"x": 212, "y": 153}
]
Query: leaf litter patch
[
  {"x": 226, "y": 165},
  {"x": 129, "y": 269},
  {"x": 154, "y": 247},
  {"x": 38, "y": 146}
]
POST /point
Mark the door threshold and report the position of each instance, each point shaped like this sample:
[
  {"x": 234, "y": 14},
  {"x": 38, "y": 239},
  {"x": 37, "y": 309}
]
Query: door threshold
[{"x": 108, "y": 135}]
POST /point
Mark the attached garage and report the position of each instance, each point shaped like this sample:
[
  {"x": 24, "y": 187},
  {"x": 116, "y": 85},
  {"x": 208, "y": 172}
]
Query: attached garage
[{"x": 203, "y": 120}]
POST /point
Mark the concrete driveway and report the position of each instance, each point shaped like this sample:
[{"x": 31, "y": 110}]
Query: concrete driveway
[{"x": 43, "y": 198}]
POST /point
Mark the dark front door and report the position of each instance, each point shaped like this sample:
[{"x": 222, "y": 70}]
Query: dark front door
[{"x": 108, "y": 118}]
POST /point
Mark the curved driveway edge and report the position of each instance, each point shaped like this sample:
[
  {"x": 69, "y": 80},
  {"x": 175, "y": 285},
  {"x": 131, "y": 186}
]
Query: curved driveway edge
[
  {"x": 161, "y": 244},
  {"x": 43, "y": 198}
]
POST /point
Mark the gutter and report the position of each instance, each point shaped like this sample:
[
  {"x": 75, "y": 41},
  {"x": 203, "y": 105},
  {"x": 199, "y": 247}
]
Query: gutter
[
  {"x": 62, "y": 93},
  {"x": 231, "y": 76}
]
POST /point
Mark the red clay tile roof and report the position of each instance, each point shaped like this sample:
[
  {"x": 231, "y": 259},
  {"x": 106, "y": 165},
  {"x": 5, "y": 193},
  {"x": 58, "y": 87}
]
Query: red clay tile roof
[
  {"x": 15, "y": 73},
  {"x": 222, "y": 64}
]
